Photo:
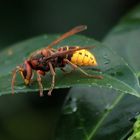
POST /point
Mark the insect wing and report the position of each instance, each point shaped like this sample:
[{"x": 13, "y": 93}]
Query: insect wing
[
  {"x": 65, "y": 52},
  {"x": 67, "y": 34}
]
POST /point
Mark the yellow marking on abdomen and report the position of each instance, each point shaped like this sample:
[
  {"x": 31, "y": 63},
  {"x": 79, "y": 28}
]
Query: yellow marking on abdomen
[{"x": 83, "y": 58}]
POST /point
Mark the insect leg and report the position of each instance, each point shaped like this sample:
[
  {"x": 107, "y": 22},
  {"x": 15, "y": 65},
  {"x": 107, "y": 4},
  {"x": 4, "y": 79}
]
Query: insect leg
[
  {"x": 80, "y": 69},
  {"x": 53, "y": 78},
  {"x": 32, "y": 78},
  {"x": 13, "y": 80},
  {"x": 40, "y": 84}
]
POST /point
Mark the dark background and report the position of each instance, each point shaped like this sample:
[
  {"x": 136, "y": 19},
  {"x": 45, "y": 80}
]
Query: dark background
[{"x": 22, "y": 19}]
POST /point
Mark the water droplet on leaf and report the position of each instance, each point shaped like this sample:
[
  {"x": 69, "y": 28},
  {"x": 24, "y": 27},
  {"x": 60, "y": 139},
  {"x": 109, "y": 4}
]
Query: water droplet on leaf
[
  {"x": 108, "y": 107},
  {"x": 109, "y": 85},
  {"x": 70, "y": 107}
]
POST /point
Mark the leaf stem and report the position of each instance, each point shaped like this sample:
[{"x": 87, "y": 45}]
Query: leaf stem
[{"x": 92, "y": 134}]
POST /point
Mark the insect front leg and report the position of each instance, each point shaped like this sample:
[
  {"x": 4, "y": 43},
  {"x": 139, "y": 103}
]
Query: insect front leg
[
  {"x": 13, "y": 80},
  {"x": 40, "y": 83},
  {"x": 53, "y": 78},
  {"x": 80, "y": 69}
]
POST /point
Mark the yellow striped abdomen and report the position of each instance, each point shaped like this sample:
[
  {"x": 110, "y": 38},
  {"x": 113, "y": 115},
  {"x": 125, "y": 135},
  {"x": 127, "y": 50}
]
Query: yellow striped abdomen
[{"x": 83, "y": 58}]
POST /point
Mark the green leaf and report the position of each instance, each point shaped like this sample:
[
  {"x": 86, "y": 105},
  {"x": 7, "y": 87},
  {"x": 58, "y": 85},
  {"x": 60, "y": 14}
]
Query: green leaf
[
  {"x": 125, "y": 38},
  {"x": 96, "y": 114},
  {"x": 117, "y": 74}
]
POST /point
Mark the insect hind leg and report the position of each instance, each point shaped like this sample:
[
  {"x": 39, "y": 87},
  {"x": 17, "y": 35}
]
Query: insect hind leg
[
  {"x": 13, "y": 79},
  {"x": 53, "y": 78},
  {"x": 82, "y": 71},
  {"x": 40, "y": 84}
]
